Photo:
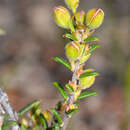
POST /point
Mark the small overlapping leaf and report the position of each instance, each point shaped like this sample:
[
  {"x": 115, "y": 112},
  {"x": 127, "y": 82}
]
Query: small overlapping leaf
[
  {"x": 80, "y": 17},
  {"x": 62, "y": 17},
  {"x": 85, "y": 58},
  {"x": 72, "y": 50},
  {"x": 94, "y": 18},
  {"x": 72, "y": 4}
]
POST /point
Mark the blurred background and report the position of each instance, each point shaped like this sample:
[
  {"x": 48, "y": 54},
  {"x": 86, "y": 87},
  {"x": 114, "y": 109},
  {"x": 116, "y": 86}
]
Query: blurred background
[{"x": 27, "y": 70}]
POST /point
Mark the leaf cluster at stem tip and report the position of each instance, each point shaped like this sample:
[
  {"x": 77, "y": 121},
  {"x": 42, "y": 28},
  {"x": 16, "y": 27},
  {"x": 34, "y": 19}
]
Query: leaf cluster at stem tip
[{"x": 80, "y": 27}]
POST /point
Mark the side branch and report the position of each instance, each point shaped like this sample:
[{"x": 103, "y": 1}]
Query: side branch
[{"x": 6, "y": 109}]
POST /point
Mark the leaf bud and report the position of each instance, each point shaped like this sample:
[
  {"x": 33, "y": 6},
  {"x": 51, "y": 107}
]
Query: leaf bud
[
  {"x": 72, "y": 50},
  {"x": 77, "y": 93},
  {"x": 47, "y": 115},
  {"x": 94, "y": 18},
  {"x": 85, "y": 56},
  {"x": 70, "y": 107},
  {"x": 62, "y": 17},
  {"x": 74, "y": 86},
  {"x": 77, "y": 35},
  {"x": 86, "y": 82},
  {"x": 24, "y": 122},
  {"x": 80, "y": 70},
  {"x": 80, "y": 17},
  {"x": 72, "y": 4}
]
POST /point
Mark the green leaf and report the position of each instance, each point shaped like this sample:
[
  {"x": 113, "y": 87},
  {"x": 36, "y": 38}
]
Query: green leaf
[
  {"x": 91, "y": 39},
  {"x": 72, "y": 111},
  {"x": 56, "y": 126},
  {"x": 63, "y": 62},
  {"x": 77, "y": 104},
  {"x": 92, "y": 48},
  {"x": 59, "y": 105},
  {"x": 69, "y": 87},
  {"x": 23, "y": 127},
  {"x": 87, "y": 94},
  {"x": 28, "y": 107},
  {"x": 61, "y": 90},
  {"x": 8, "y": 123},
  {"x": 37, "y": 127},
  {"x": 70, "y": 36},
  {"x": 56, "y": 114},
  {"x": 4, "y": 127},
  {"x": 44, "y": 122},
  {"x": 11, "y": 123},
  {"x": 87, "y": 74},
  {"x": 6, "y": 117}
]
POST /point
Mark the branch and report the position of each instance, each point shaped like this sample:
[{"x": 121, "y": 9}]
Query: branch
[
  {"x": 5, "y": 108},
  {"x": 71, "y": 96}
]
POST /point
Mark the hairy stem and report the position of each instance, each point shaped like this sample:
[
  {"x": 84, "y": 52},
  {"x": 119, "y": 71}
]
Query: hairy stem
[{"x": 71, "y": 96}]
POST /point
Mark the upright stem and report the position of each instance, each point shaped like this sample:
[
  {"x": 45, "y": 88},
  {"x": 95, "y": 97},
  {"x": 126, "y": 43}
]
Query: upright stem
[
  {"x": 74, "y": 77},
  {"x": 71, "y": 98}
]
